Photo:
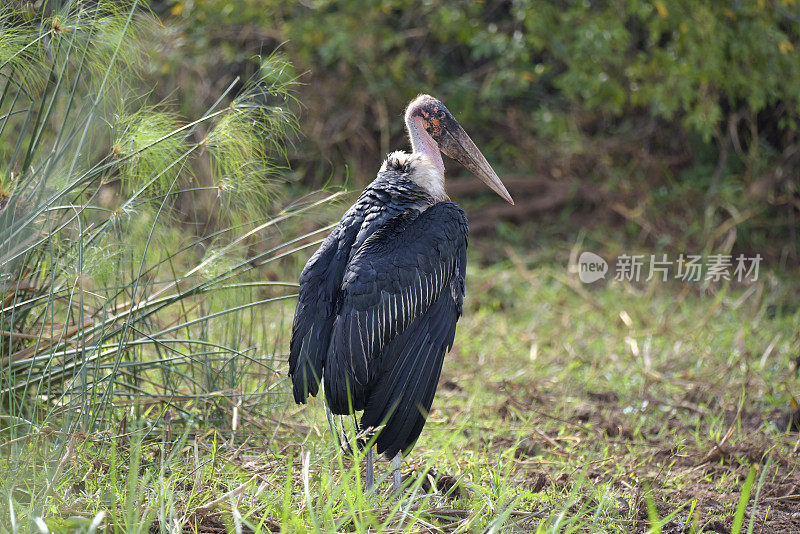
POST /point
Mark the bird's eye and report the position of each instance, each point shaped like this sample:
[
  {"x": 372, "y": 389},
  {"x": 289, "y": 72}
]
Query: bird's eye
[{"x": 441, "y": 114}]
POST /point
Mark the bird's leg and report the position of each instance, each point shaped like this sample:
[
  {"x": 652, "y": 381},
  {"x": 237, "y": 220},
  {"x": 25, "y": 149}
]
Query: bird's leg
[
  {"x": 370, "y": 482},
  {"x": 396, "y": 478}
]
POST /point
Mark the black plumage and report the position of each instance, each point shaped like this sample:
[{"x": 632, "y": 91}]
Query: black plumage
[
  {"x": 378, "y": 306},
  {"x": 380, "y": 299}
]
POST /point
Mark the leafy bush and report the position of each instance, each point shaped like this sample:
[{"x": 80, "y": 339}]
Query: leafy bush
[
  {"x": 696, "y": 61},
  {"x": 671, "y": 106}
]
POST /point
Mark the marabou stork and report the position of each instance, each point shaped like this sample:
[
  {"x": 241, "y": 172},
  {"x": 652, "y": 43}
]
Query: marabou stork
[{"x": 380, "y": 298}]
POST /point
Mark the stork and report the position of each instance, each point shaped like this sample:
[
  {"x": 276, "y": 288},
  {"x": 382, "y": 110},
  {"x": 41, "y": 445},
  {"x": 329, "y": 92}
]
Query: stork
[{"x": 380, "y": 298}]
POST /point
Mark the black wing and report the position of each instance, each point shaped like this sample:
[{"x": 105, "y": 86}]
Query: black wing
[
  {"x": 321, "y": 282},
  {"x": 401, "y": 298},
  {"x": 314, "y": 316}
]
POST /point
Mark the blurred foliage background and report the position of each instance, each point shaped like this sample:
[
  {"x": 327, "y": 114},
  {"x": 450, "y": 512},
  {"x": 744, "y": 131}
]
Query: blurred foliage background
[
  {"x": 674, "y": 123},
  {"x": 160, "y": 173}
]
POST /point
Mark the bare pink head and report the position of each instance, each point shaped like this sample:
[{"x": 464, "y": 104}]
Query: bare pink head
[{"x": 434, "y": 131}]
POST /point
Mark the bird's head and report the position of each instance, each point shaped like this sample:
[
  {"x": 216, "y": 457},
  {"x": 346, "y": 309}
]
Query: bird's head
[{"x": 443, "y": 133}]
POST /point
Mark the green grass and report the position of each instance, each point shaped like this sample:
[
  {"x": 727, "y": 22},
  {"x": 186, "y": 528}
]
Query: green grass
[
  {"x": 562, "y": 407},
  {"x": 142, "y": 349}
]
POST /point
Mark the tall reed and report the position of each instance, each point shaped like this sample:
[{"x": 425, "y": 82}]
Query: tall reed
[{"x": 109, "y": 307}]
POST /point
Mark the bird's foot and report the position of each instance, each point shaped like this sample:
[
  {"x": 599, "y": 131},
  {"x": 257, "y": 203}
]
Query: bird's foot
[
  {"x": 369, "y": 483},
  {"x": 397, "y": 479}
]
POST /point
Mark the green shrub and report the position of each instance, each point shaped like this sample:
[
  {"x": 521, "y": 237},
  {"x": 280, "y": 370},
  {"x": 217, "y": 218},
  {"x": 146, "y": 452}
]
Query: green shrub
[{"x": 680, "y": 107}]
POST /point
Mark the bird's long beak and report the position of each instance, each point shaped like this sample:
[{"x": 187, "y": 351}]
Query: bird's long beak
[{"x": 456, "y": 144}]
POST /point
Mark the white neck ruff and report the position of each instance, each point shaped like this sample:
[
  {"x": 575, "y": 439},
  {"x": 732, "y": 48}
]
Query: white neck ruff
[{"x": 423, "y": 172}]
